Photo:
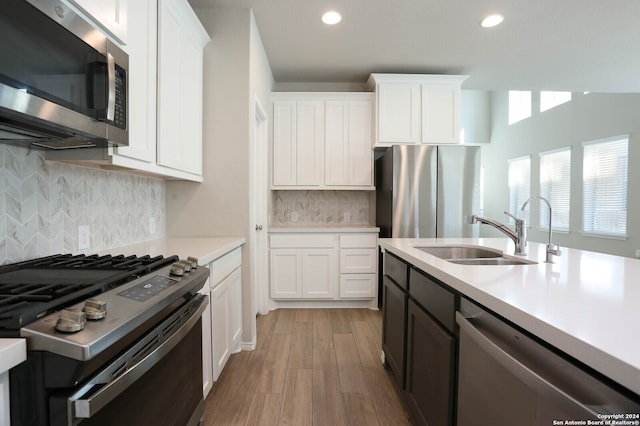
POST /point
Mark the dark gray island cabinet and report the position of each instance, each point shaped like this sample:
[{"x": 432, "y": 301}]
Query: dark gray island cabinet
[{"x": 458, "y": 363}]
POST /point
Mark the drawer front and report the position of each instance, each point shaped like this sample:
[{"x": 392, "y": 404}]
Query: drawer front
[
  {"x": 395, "y": 269},
  {"x": 437, "y": 300},
  {"x": 358, "y": 261},
  {"x": 220, "y": 268},
  {"x": 311, "y": 240},
  {"x": 358, "y": 286},
  {"x": 359, "y": 241}
]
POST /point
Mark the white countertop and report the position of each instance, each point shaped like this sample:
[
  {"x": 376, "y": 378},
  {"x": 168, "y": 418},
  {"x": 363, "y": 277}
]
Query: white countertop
[
  {"x": 586, "y": 304},
  {"x": 12, "y": 353},
  {"x": 325, "y": 228},
  {"x": 206, "y": 249}
]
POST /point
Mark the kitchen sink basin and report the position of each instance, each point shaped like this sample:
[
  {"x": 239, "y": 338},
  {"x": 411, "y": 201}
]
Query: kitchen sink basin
[
  {"x": 472, "y": 255},
  {"x": 491, "y": 261},
  {"x": 460, "y": 252}
]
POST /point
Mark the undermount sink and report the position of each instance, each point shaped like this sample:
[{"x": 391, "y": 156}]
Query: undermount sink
[
  {"x": 472, "y": 255},
  {"x": 460, "y": 252},
  {"x": 491, "y": 261}
]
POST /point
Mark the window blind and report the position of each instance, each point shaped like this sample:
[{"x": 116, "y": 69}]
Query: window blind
[
  {"x": 605, "y": 164},
  {"x": 555, "y": 186},
  {"x": 519, "y": 180}
]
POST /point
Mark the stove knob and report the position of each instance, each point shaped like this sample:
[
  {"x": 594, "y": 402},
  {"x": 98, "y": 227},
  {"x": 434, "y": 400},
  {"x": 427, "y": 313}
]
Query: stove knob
[
  {"x": 194, "y": 262},
  {"x": 177, "y": 269},
  {"x": 186, "y": 264},
  {"x": 71, "y": 320},
  {"x": 95, "y": 309}
]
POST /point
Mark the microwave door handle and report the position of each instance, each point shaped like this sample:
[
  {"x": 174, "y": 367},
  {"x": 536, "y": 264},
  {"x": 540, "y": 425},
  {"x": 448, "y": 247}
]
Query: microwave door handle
[{"x": 111, "y": 101}]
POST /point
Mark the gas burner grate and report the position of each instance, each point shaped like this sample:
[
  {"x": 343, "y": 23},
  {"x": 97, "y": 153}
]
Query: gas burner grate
[{"x": 34, "y": 288}]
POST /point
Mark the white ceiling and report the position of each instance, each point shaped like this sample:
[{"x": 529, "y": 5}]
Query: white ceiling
[{"x": 574, "y": 45}]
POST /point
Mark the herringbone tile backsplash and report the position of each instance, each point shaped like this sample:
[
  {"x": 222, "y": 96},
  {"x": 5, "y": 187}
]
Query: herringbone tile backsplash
[
  {"x": 321, "y": 208},
  {"x": 42, "y": 204}
]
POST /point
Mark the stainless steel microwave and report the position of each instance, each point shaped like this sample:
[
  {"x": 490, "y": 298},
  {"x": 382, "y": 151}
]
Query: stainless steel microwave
[{"x": 63, "y": 83}]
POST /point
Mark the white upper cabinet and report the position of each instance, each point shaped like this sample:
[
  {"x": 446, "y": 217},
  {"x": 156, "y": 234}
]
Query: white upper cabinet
[
  {"x": 348, "y": 143},
  {"x": 417, "y": 108},
  {"x": 110, "y": 15},
  {"x": 322, "y": 141},
  {"x": 142, "y": 50},
  {"x": 181, "y": 40}
]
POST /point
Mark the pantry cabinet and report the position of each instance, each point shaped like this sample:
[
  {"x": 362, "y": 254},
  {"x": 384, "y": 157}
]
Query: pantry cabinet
[
  {"x": 417, "y": 108},
  {"x": 322, "y": 141},
  {"x": 110, "y": 15}
]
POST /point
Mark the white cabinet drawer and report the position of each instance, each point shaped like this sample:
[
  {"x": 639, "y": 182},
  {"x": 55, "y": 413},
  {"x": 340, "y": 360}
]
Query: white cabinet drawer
[
  {"x": 358, "y": 261},
  {"x": 358, "y": 241},
  {"x": 310, "y": 240},
  {"x": 357, "y": 286},
  {"x": 225, "y": 265}
]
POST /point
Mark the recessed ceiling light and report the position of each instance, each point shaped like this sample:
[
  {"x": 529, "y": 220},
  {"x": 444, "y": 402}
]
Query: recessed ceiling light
[
  {"x": 331, "y": 18},
  {"x": 492, "y": 21}
]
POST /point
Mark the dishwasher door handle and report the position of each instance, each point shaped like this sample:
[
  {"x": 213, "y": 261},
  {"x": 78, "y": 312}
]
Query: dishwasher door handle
[{"x": 531, "y": 378}]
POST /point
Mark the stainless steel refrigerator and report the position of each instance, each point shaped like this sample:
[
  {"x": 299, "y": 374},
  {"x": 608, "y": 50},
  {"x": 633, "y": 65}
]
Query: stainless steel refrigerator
[{"x": 427, "y": 191}]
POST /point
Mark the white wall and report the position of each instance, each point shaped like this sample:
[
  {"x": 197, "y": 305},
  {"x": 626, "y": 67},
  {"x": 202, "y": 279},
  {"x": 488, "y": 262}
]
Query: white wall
[
  {"x": 586, "y": 117},
  {"x": 235, "y": 70}
]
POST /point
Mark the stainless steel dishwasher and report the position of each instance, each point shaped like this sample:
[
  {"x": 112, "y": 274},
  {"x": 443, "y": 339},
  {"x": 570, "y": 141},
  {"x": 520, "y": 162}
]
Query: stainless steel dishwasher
[{"x": 506, "y": 378}]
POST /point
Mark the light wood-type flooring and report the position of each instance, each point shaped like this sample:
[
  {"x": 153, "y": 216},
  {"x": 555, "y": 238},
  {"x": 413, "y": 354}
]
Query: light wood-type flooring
[{"x": 310, "y": 367}]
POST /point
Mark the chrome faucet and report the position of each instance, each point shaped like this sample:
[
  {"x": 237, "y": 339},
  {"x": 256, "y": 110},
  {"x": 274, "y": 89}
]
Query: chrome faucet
[
  {"x": 552, "y": 249},
  {"x": 519, "y": 235}
]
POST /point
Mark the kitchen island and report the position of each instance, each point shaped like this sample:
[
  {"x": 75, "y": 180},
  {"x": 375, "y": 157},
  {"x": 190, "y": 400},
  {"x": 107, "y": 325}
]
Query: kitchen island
[{"x": 585, "y": 304}]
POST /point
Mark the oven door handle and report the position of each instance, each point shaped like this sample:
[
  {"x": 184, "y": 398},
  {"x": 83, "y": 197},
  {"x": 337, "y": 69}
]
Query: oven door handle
[{"x": 81, "y": 407}]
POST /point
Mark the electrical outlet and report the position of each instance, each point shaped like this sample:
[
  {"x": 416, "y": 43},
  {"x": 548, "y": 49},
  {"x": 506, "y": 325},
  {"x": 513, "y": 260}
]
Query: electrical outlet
[
  {"x": 84, "y": 237},
  {"x": 346, "y": 217},
  {"x": 152, "y": 225},
  {"x": 294, "y": 216}
]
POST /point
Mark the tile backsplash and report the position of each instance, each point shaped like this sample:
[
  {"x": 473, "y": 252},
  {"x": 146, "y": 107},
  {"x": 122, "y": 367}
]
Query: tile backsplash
[
  {"x": 319, "y": 208},
  {"x": 43, "y": 203}
]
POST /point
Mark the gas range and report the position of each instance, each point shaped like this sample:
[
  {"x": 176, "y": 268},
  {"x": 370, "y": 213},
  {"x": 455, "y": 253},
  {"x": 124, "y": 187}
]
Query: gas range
[{"x": 95, "y": 322}]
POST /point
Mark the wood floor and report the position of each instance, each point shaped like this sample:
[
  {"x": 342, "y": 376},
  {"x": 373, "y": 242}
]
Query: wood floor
[{"x": 310, "y": 367}]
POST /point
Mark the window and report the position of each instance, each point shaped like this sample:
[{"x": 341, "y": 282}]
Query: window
[
  {"x": 604, "y": 190},
  {"x": 519, "y": 185},
  {"x": 550, "y": 100},
  {"x": 519, "y": 105},
  {"x": 555, "y": 186}
]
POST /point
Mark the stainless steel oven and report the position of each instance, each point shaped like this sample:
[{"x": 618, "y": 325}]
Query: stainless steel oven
[{"x": 110, "y": 340}]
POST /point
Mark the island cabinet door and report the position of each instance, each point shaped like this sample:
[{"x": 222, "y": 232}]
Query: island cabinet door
[
  {"x": 393, "y": 328},
  {"x": 430, "y": 369}
]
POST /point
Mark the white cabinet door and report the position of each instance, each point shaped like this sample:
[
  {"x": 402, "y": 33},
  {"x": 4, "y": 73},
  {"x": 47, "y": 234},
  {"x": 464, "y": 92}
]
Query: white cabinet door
[
  {"x": 284, "y": 143},
  {"x": 336, "y": 148},
  {"x": 441, "y": 113},
  {"x": 142, "y": 50},
  {"x": 360, "y": 144},
  {"x": 348, "y": 144},
  {"x": 207, "y": 355},
  {"x": 235, "y": 308},
  {"x": 309, "y": 142},
  {"x": 319, "y": 273},
  {"x": 220, "y": 322},
  {"x": 285, "y": 273},
  {"x": 358, "y": 261},
  {"x": 398, "y": 113},
  {"x": 111, "y": 15},
  {"x": 181, "y": 40}
]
